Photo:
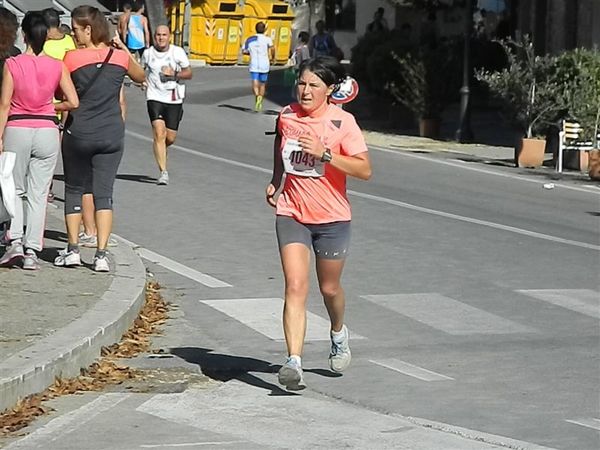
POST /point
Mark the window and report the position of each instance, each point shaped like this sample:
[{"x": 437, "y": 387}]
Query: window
[
  {"x": 496, "y": 6},
  {"x": 340, "y": 14}
]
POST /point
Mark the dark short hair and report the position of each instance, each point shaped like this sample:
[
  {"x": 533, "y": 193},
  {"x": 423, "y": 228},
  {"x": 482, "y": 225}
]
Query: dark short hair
[
  {"x": 8, "y": 31},
  {"x": 88, "y": 15},
  {"x": 303, "y": 36},
  {"x": 260, "y": 27},
  {"x": 51, "y": 17},
  {"x": 327, "y": 68},
  {"x": 35, "y": 30}
]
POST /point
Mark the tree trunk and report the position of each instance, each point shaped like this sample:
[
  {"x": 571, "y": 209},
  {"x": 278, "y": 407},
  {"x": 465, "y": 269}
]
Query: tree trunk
[{"x": 156, "y": 14}]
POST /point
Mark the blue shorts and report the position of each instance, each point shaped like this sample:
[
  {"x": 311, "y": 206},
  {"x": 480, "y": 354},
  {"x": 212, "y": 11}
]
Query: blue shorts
[{"x": 259, "y": 76}]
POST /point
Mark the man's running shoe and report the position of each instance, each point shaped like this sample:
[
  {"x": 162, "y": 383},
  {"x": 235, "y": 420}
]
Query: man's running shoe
[
  {"x": 100, "y": 264},
  {"x": 13, "y": 254},
  {"x": 67, "y": 258},
  {"x": 290, "y": 376},
  {"x": 163, "y": 179},
  {"x": 259, "y": 103},
  {"x": 340, "y": 356},
  {"x": 30, "y": 261}
]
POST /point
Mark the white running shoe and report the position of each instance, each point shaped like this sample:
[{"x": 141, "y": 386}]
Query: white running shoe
[
  {"x": 67, "y": 258},
  {"x": 91, "y": 241},
  {"x": 100, "y": 264},
  {"x": 290, "y": 376},
  {"x": 163, "y": 179},
  {"x": 31, "y": 261},
  {"x": 13, "y": 254},
  {"x": 340, "y": 356}
]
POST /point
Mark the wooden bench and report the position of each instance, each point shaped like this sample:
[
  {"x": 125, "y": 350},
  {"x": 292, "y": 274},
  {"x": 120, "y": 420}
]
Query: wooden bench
[{"x": 569, "y": 138}]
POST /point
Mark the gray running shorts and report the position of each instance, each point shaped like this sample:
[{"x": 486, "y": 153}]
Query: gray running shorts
[{"x": 329, "y": 240}]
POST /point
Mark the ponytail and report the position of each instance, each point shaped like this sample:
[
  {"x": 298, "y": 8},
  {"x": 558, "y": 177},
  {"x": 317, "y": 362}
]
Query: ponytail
[{"x": 35, "y": 31}]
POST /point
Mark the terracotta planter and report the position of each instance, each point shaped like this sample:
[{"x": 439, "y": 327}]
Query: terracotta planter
[
  {"x": 530, "y": 152},
  {"x": 429, "y": 128},
  {"x": 576, "y": 160},
  {"x": 594, "y": 165}
]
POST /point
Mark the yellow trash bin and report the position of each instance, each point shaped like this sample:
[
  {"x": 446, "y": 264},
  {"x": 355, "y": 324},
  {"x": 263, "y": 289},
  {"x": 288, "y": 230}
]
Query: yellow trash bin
[
  {"x": 215, "y": 31},
  {"x": 277, "y": 16}
]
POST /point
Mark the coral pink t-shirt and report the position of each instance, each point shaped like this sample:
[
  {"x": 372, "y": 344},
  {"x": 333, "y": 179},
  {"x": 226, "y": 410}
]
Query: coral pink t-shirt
[
  {"x": 35, "y": 80},
  {"x": 318, "y": 199}
]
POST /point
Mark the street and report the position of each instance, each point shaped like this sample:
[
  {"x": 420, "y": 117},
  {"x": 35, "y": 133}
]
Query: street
[{"x": 472, "y": 301}]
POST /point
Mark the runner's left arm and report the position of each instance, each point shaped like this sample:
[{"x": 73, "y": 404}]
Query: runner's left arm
[
  {"x": 7, "y": 93},
  {"x": 185, "y": 72},
  {"x": 147, "y": 40}
]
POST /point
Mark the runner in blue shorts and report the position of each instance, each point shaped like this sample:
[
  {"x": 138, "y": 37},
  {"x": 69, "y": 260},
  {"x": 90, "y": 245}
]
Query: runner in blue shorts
[{"x": 262, "y": 52}]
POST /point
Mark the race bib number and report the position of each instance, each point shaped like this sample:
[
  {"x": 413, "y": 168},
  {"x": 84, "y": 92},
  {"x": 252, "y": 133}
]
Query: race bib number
[{"x": 296, "y": 162}]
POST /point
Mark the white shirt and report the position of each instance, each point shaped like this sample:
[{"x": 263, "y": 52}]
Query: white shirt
[
  {"x": 153, "y": 61},
  {"x": 258, "y": 46}
]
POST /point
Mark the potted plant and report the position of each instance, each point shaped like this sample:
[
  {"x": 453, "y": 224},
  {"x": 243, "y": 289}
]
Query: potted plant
[
  {"x": 531, "y": 97},
  {"x": 427, "y": 81},
  {"x": 584, "y": 106}
]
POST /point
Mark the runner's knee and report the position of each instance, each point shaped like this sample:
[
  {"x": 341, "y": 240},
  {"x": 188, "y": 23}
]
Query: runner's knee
[{"x": 296, "y": 288}]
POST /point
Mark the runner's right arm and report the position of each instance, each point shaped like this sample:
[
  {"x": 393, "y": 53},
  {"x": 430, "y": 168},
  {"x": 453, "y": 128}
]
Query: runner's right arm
[{"x": 275, "y": 183}]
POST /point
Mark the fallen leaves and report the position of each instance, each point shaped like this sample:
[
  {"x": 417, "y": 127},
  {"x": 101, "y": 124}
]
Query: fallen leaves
[{"x": 105, "y": 371}]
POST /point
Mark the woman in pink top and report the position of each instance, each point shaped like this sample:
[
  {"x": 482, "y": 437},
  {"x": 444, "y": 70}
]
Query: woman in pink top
[
  {"x": 28, "y": 127},
  {"x": 318, "y": 144}
]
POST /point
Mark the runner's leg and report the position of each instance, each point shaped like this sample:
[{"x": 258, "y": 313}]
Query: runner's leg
[
  {"x": 159, "y": 144},
  {"x": 329, "y": 273},
  {"x": 295, "y": 260}
]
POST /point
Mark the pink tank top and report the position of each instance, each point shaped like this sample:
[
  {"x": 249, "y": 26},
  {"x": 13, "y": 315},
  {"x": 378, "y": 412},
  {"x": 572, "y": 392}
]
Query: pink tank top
[{"x": 35, "y": 80}]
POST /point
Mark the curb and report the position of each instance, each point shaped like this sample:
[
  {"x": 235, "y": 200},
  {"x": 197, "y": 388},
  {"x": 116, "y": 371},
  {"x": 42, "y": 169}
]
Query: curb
[{"x": 77, "y": 345}]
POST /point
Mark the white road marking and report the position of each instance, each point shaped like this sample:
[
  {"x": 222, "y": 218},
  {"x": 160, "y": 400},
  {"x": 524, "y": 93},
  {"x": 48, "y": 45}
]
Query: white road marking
[
  {"x": 68, "y": 423},
  {"x": 484, "y": 223},
  {"x": 264, "y": 316},
  {"x": 388, "y": 201},
  {"x": 174, "y": 266},
  {"x": 584, "y": 301},
  {"x": 466, "y": 166},
  {"x": 410, "y": 369},
  {"x": 447, "y": 315},
  {"x": 191, "y": 444},
  {"x": 587, "y": 422},
  {"x": 239, "y": 410}
]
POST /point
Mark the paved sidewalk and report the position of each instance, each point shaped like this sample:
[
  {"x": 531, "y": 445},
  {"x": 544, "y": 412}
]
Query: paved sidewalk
[{"x": 55, "y": 321}]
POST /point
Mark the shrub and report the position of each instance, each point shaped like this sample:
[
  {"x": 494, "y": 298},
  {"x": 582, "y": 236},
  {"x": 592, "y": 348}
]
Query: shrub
[
  {"x": 530, "y": 89},
  {"x": 428, "y": 80}
]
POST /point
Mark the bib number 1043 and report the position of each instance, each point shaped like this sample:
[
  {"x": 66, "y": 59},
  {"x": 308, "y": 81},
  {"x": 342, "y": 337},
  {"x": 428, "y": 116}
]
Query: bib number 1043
[{"x": 299, "y": 163}]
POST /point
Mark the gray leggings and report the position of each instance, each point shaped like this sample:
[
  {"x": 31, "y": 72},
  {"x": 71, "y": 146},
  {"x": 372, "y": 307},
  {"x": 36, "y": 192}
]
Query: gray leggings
[
  {"x": 90, "y": 168},
  {"x": 37, "y": 151}
]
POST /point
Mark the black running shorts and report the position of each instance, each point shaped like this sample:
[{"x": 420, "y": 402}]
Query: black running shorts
[
  {"x": 170, "y": 113},
  {"x": 328, "y": 240}
]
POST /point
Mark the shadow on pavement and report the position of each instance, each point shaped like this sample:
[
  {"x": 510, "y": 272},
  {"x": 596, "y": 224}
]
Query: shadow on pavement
[
  {"x": 228, "y": 367},
  {"x": 137, "y": 178}
]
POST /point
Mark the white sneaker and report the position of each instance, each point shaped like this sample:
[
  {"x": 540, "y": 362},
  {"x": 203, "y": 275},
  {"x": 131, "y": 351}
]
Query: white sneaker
[
  {"x": 67, "y": 259},
  {"x": 340, "y": 356},
  {"x": 290, "y": 376},
  {"x": 13, "y": 255},
  {"x": 100, "y": 264},
  {"x": 91, "y": 241},
  {"x": 163, "y": 179}
]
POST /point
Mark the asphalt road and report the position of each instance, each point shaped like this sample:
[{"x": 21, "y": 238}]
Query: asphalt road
[{"x": 473, "y": 301}]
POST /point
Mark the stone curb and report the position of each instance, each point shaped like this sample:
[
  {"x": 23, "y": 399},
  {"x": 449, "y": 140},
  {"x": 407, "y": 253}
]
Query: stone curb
[{"x": 78, "y": 344}]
